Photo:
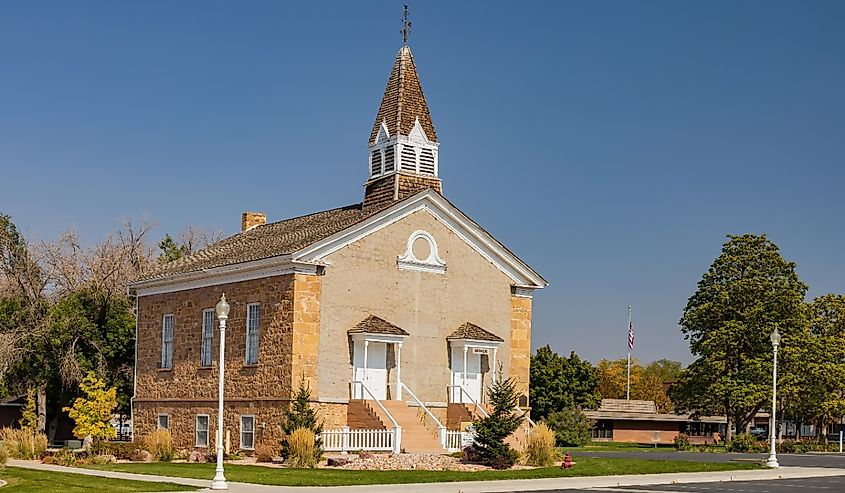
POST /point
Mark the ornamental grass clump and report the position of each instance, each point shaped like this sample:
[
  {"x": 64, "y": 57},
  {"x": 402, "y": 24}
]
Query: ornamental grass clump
[
  {"x": 301, "y": 448},
  {"x": 24, "y": 444},
  {"x": 540, "y": 447},
  {"x": 160, "y": 445},
  {"x": 4, "y": 455}
]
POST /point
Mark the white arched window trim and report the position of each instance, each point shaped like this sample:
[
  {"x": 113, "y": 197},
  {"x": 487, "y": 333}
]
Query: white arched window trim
[{"x": 433, "y": 263}]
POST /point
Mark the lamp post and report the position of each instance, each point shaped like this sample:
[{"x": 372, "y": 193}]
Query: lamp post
[
  {"x": 773, "y": 458},
  {"x": 222, "y": 310}
]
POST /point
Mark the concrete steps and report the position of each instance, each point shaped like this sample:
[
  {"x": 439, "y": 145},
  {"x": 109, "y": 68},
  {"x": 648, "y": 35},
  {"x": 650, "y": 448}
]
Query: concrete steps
[
  {"x": 416, "y": 438},
  {"x": 361, "y": 416}
]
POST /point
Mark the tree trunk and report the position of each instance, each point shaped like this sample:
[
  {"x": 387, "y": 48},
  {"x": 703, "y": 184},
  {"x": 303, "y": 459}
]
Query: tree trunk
[
  {"x": 41, "y": 407},
  {"x": 51, "y": 430},
  {"x": 729, "y": 429}
]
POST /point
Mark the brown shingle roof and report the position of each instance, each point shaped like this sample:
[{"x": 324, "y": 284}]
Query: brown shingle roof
[
  {"x": 629, "y": 406},
  {"x": 376, "y": 325},
  {"x": 403, "y": 101},
  {"x": 265, "y": 241},
  {"x": 471, "y": 331}
]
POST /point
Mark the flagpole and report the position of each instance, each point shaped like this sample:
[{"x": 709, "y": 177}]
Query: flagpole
[{"x": 628, "y": 393}]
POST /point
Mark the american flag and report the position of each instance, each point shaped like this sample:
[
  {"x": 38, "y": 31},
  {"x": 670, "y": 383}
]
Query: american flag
[{"x": 630, "y": 335}]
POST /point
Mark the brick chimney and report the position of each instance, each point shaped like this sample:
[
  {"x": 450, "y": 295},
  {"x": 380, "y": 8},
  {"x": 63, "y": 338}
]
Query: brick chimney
[{"x": 251, "y": 219}]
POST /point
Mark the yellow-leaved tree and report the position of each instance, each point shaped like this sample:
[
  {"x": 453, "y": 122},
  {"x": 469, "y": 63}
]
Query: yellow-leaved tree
[
  {"x": 93, "y": 412},
  {"x": 29, "y": 418}
]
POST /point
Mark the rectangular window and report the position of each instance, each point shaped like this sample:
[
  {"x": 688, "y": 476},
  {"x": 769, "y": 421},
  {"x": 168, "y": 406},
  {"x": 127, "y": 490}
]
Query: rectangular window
[
  {"x": 253, "y": 318},
  {"x": 163, "y": 422},
  {"x": 201, "y": 434},
  {"x": 248, "y": 432},
  {"x": 167, "y": 342},
  {"x": 207, "y": 337}
]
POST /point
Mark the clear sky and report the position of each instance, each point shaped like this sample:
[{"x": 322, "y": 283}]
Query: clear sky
[{"x": 612, "y": 145}]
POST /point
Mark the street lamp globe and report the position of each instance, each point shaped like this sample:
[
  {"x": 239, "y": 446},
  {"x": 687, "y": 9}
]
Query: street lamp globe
[
  {"x": 222, "y": 308},
  {"x": 775, "y": 338}
]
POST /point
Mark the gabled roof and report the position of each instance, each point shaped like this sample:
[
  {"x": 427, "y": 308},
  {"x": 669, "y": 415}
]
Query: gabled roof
[
  {"x": 265, "y": 241},
  {"x": 403, "y": 101},
  {"x": 473, "y": 332},
  {"x": 307, "y": 240},
  {"x": 376, "y": 325}
]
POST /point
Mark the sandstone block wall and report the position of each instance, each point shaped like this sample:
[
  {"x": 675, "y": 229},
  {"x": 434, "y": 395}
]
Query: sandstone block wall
[
  {"x": 288, "y": 342},
  {"x": 520, "y": 343}
]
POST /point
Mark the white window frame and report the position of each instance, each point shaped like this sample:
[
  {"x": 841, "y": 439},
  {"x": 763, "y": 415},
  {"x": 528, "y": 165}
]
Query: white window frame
[
  {"x": 207, "y": 339},
  {"x": 197, "y": 431},
  {"x": 241, "y": 437},
  {"x": 167, "y": 343},
  {"x": 158, "y": 421},
  {"x": 249, "y": 321}
]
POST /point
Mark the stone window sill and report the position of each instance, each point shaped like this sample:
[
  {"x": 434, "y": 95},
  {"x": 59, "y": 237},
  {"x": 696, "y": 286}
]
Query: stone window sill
[
  {"x": 165, "y": 369},
  {"x": 251, "y": 365},
  {"x": 206, "y": 367}
]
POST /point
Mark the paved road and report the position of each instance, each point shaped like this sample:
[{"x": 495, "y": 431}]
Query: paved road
[
  {"x": 805, "y": 460},
  {"x": 833, "y": 484}
]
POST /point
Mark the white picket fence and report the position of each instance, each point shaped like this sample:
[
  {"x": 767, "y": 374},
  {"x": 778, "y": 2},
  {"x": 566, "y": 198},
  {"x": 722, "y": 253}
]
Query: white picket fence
[
  {"x": 454, "y": 441},
  {"x": 348, "y": 440}
]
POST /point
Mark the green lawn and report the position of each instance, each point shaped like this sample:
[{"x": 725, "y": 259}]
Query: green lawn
[
  {"x": 585, "y": 466},
  {"x": 32, "y": 481}
]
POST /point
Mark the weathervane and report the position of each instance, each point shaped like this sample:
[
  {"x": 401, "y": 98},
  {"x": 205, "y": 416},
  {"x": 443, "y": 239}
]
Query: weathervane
[{"x": 406, "y": 27}]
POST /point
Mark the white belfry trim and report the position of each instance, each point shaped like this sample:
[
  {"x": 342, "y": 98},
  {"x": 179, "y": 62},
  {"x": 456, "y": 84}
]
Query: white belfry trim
[{"x": 433, "y": 263}]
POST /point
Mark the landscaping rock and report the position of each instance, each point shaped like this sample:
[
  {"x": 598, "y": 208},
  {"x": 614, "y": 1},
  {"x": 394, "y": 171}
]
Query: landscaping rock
[
  {"x": 336, "y": 462},
  {"x": 398, "y": 462},
  {"x": 196, "y": 456},
  {"x": 141, "y": 455}
]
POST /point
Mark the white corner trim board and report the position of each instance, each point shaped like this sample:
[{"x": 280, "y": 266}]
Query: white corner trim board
[{"x": 433, "y": 263}]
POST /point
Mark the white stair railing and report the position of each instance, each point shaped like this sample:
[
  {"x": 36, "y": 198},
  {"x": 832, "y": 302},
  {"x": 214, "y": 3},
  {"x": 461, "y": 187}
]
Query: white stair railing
[
  {"x": 462, "y": 392},
  {"x": 397, "y": 430},
  {"x": 441, "y": 430}
]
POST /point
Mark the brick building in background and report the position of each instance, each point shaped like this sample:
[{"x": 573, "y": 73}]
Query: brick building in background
[{"x": 403, "y": 294}]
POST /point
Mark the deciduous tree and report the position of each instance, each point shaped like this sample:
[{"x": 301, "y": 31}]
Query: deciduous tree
[
  {"x": 747, "y": 293},
  {"x": 558, "y": 382}
]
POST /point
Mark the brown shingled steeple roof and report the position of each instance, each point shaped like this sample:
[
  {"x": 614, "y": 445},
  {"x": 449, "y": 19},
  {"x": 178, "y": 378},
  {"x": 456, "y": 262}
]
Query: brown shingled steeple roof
[{"x": 403, "y": 100}]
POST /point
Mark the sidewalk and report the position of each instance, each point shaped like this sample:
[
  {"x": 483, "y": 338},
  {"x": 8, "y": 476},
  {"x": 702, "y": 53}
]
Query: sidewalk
[{"x": 476, "y": 486}]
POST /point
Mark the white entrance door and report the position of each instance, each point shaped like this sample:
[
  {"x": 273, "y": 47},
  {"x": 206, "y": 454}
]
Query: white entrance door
[
  {"x": 376, "y": 374},
  {"x": 471, "y": 380}
]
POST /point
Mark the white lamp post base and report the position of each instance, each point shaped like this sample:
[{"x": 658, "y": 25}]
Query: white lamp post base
[{"x": 772, "y": 462}]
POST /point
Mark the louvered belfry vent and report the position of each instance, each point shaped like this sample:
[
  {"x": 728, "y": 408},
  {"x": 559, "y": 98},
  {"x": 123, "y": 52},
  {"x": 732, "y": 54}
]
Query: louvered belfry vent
[
  {"x": 409, "y": 159},
  {"x": 375, "y": 166},
  {"x": 389, "y": 161},
  {"x": 427, "y": 162},
  {"x": 403, "y": 146}
]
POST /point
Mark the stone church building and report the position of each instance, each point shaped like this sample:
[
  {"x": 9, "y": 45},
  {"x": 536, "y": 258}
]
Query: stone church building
[{"x": 395, "y": 310}]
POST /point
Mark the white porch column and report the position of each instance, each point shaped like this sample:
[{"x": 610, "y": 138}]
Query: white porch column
[
  {"x": 399, "y": 371},
  {"x": 366, "y": 348},
  {"x": 493, "y": 367},
  {"x": 464, "y": 374}
]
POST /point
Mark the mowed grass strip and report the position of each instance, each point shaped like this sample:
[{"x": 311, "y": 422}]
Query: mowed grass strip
[
  {"x": 585, "y": 466},
  {"x": 32, "y": 481}
]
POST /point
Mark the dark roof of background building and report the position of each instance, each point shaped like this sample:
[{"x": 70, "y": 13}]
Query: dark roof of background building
[
  {"x": 403, "y": 101},
  {"x": 471, "y": 331},
  {"x": 376, "y": 325}
]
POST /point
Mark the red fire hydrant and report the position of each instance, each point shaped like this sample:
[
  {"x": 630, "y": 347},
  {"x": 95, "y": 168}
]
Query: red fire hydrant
[{"x": 567, "y": 461}]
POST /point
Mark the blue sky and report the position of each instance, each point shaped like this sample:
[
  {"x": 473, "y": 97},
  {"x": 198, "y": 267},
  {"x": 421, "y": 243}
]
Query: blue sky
[{"x": 611, "y": 144}]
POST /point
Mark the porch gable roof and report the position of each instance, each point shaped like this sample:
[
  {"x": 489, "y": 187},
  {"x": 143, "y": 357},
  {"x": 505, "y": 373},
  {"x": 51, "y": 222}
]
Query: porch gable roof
[
  {"x": 470, "y": 331},
  {"x": 377, "y": 325}
]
